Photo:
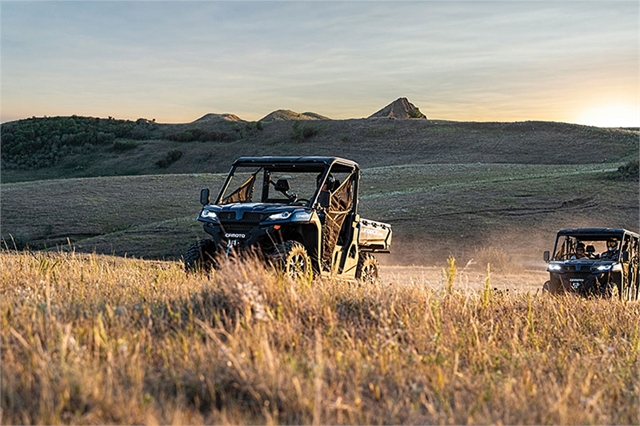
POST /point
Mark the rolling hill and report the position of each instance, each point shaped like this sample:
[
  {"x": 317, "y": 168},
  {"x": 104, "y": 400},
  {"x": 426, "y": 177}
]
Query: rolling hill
[
  {"x": 131, "y": 187},
  {"x": 209, "y": 146},
  {"x": 400, "y": 109},
  {"x": 288, "y": 115}
]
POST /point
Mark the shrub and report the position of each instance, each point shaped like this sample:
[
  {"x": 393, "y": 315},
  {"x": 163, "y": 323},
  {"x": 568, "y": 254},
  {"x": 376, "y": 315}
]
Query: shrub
[
  {"x": 296, "y": 132},
  {"x": 308, "y": 131},
  {"x": 299, "y": 133},
  {"x": 124, "y": 145},
  {"x": 28, "y": 143},
  {"x": 140, "y": 133},
  {"x": 171, "y": 157},
  {"x": 628, "y": 171},
  {"x": 199, "y": 135},
  {"x": 103, "y": 138}
]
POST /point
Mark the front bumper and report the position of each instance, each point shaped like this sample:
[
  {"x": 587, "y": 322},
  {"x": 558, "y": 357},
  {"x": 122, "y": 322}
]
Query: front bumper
[
  {"x": 596, "y": 284},
  {"x": 240, "y": 235}
]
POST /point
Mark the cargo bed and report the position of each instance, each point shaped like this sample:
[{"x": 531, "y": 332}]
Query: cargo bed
[{"x": 374, "y": 236}]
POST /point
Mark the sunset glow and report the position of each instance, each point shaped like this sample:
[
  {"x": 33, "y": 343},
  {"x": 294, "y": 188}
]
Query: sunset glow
[
  {"x": 176, "y": 61},
  {"x": 611, "y": 115}
]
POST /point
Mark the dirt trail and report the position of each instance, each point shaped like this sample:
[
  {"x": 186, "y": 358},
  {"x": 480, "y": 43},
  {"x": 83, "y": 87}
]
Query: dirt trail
[{"x": 473, "y": 280}]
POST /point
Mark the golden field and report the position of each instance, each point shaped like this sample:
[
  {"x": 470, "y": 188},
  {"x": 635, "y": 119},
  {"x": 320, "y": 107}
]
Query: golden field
[{"x": 92, "y": 339}]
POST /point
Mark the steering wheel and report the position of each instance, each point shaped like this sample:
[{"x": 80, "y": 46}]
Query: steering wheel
[{"x": 302, "y": 200}]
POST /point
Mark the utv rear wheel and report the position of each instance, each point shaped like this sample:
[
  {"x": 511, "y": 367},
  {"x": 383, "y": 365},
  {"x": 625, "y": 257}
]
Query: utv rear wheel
[
  {"x": 200, "y": 256},
  {"x": 368, "y": 269},
  {"x": 630, "y": 290},
  {"x": 632, "y": 280},
  {"x": 292, "y": 258}
]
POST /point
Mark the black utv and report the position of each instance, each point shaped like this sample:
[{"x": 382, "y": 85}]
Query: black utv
[
  {"x": 300, "y": 213},
  {"x": 594, "y": 262}
]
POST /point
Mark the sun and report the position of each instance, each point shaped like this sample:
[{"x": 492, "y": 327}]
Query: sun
[{"x": 611, "y": 115}]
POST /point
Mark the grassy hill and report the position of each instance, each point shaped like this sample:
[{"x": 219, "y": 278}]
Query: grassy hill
[
  {"x": 446, "y": 187},
  {"x": 209, "y": 146}
]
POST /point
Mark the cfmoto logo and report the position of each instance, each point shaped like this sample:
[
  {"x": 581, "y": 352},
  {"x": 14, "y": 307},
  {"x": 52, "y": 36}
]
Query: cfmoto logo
[{"x": 235, "y": 236}]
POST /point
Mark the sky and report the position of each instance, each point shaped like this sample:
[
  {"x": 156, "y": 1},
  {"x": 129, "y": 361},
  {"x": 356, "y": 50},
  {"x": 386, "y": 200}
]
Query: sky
[{"x": 175, "y": 61}]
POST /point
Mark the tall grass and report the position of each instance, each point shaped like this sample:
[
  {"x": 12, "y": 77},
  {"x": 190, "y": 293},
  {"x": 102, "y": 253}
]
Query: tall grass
[{"x": 92, "y": 339}]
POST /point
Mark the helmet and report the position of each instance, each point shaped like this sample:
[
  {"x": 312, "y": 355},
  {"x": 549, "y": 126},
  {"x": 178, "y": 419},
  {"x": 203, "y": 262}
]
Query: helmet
[
  {"x": 580, "y": 246},
  {"x": 329, "y": 182},
  {"x": 612, "y": 244}
]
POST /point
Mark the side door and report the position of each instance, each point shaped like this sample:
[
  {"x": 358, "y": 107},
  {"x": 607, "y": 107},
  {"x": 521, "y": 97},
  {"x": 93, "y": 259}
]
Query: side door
[
  {"x": 632, "y": 268},
  {"x": 339, "y": 247}
]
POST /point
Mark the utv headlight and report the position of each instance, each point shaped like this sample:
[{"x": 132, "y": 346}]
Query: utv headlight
[
  {"x": 554, "y": 267},
  {"x": 298, "y": 216},
  {"x": 208, "y": 214},
  {"x": 613, "y": 267},
  {"x": 280, "y": 216},
  {"x": 301, "y": 217}
]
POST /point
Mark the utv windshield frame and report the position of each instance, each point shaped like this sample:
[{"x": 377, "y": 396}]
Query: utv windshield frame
[
  {"x": 322, "y": 166},
  {"x": 567, "y": 239}
]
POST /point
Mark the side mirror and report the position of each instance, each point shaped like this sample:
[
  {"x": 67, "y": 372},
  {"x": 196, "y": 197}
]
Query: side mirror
[
  {"x": 625, "y": 257},
  {"x": 546, "y": 256},
  {"x": 324, "y": 198},
  {"x": 204, "y": 196}
]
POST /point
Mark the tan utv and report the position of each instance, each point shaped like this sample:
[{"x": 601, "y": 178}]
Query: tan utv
[{"x": 300, "y": 213}]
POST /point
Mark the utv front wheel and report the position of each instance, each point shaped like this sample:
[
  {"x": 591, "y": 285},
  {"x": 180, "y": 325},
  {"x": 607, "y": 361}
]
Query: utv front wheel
[
  {"x": 200, "y": 256},
  {"x": 553, "y": 286},
  {"x": 368, "y": 269},
  {"x": 292, "y": 257}
]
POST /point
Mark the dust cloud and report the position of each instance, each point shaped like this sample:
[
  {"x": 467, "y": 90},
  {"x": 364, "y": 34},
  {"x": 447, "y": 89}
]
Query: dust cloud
[{"x": 514, "y": 258}]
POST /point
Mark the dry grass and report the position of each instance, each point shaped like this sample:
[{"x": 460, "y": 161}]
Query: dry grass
[{"x": 88, "y": 339}]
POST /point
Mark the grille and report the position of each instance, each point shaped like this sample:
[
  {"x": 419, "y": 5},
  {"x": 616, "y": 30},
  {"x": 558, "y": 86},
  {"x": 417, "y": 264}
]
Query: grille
[
  {"x": 257, "y": 217},
  {"x": 248, "y": 216},
  {"x": 574, "y": 274}
]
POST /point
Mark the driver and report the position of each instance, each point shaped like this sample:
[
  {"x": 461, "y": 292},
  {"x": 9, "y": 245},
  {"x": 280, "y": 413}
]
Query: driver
[{"x": 612, "y": 252}]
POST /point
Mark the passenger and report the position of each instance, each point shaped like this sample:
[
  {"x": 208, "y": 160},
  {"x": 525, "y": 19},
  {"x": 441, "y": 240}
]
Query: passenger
[
  {"x": 580, "y": 253},
  {"x": 612, "y": 252},
  {"x": 328, "y": 183}
]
